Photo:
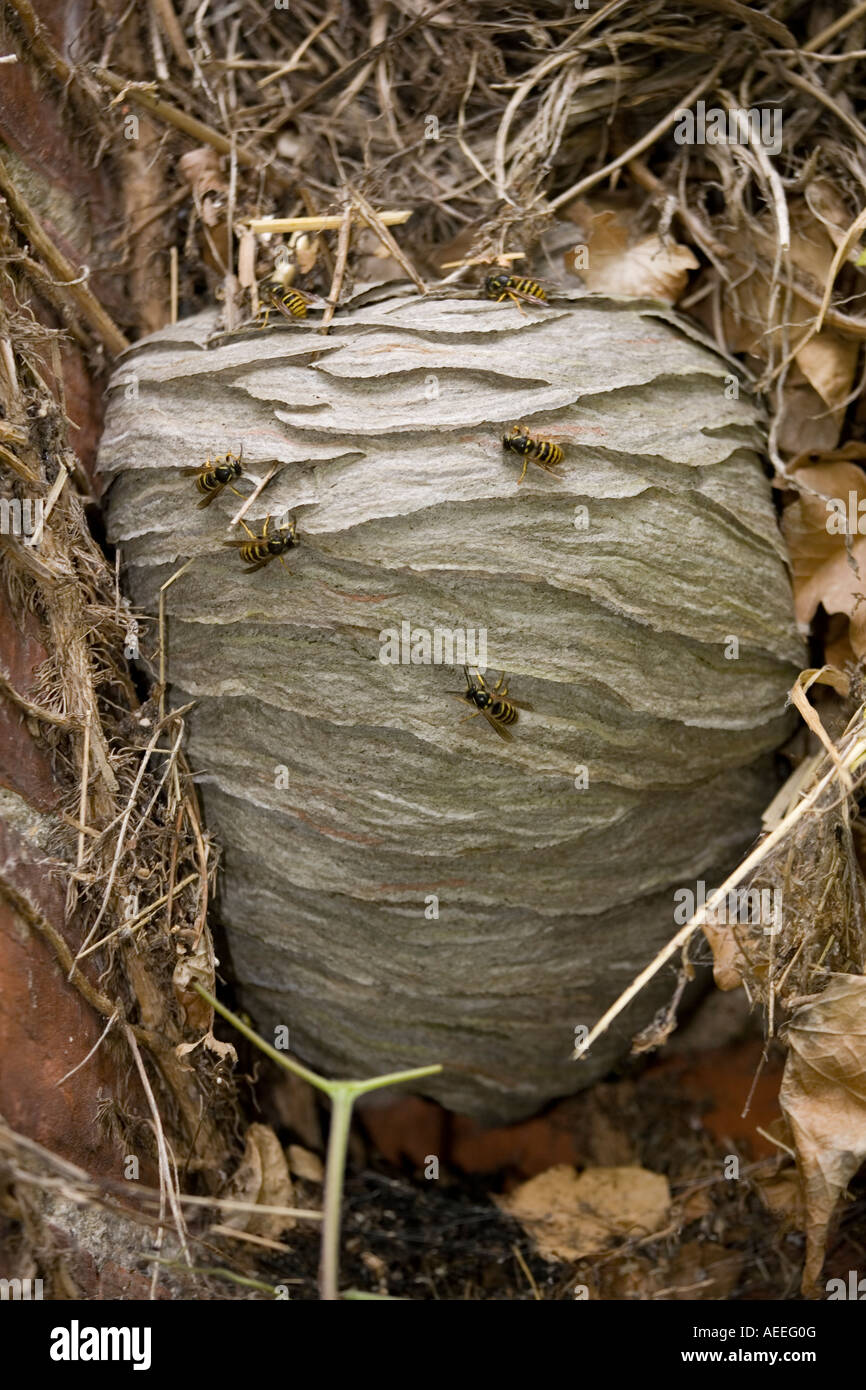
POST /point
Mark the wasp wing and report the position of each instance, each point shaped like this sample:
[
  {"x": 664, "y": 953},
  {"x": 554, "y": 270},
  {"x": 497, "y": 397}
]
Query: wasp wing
[
  {"x": 500, "y": 728},
  {"x": 210, "y": 495}
]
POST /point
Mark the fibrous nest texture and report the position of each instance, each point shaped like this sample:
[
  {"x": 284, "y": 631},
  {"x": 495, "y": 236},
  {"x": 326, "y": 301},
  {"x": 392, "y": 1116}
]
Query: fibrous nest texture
[{"x": 401, "y": 887}]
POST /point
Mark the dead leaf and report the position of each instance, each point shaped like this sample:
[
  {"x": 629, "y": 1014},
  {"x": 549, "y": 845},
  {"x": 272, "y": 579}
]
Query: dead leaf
[
  {"x": 830, "y": 208},
  {"x": 855, "y": 449},
  {"x": 728, "y": 959},
  {"x": 194, "y": 967},
  {"x": 262, "y": 1177},
  {"x": 805, "y": 423},
  {"x": 620, "y": 264},
  {"x": 821, "y": 376},
  {"x": 838, "y": 681},
  {"x": 306, "y": 250},
  {"x": 202, "y": 171},
  {"x": 823, "y": 1096},
  {"x": 695, "y": 1205},
  {"x": 570, "y": 1216},
  {"x": 305, "y": 1164},
  {"x": 782, "y": 1193},
  {"x": 829, "y": 567},
  {"x": 223, "y": 1050},
  {"x": 828, "y": 363}
]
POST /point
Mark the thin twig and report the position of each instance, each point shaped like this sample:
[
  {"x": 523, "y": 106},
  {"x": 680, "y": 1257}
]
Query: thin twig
[
  {"x": 377, "y": 224},
  {"x": 205, "y": 134},
  {"x": 855, "y": 754},
  {"x": 88, "y": 305},
  {"x": 103, "y": 1035},
  {"x": 319, "y": 224},
  {"x": 299, "y": 51},
  {"x": 165, "y": 1164},
  {"x": 645, "y": 141},
  {"x": 339, "y": 268}
]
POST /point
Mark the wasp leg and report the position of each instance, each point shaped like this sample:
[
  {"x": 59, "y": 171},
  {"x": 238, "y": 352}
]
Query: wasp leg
[
  {"x": 470, "y": 716},
  {"x": 525, "y": 466},
  {"x": 516, "y": 301}
]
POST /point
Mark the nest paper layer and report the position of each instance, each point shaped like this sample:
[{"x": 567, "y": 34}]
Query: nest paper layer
[{"x": 387, "y": 439}]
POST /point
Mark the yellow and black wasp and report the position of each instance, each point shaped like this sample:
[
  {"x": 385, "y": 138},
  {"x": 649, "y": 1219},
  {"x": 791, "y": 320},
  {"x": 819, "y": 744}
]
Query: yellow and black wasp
[
  {"x": 544, "y": 452},
  {"x": 258, "y": 551},
  {"x": 216, "y": 474},
  {"x": 493, "y": 703},
  {"x": 504, "y": 285},
  {"x": 288, "y": 301}
]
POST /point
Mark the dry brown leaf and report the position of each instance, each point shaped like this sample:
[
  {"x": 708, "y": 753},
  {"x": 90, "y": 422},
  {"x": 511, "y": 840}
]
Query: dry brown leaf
[
  {"x": 697, "y": 1204},
  {"x": 822, "y": 375},
  {"x": 570, "y": 1216},
  {"x": 805, "y": 423},
  {"x": 838, "y": 681},
  {"x": 727, "y": 958},
  {"x": 618, "y": 264},
  {"x": 223, "y": 1050},
  {"x": 823, "y": 675},
  {"x": 305, "y": 1164},
  {"x": 306, "y": 250},
  {"x": 202, "y": 170},
  {"x": 823, "y": 1097},
  {"x": 826, "y": 570},
  {"x": 830, "y": 208},
  {"x": 854, "y": 449},
  {"x": 195, "y": 967},
  {"x": 828, "y": 363},
  {"x": 262, "y": 1176},
  {"x": 783, "y": 1195}
]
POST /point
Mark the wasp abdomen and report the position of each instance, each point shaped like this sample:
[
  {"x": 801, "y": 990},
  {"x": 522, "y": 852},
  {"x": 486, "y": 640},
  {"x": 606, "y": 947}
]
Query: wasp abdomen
[{"x": 503, "y": 286}]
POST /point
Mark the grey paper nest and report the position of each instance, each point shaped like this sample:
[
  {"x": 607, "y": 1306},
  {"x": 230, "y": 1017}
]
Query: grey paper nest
[{"x": 387, "y": 434}]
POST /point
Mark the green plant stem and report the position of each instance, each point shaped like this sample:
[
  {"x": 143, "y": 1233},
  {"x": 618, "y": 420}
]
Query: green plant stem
[
  {"x": 343, "y": 1095},
  {"x": 342, "y": 1100}
]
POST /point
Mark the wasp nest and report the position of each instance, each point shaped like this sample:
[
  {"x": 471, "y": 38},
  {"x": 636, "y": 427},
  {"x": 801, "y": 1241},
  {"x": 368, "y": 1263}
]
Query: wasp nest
[{"x": 402, "y": 886}]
